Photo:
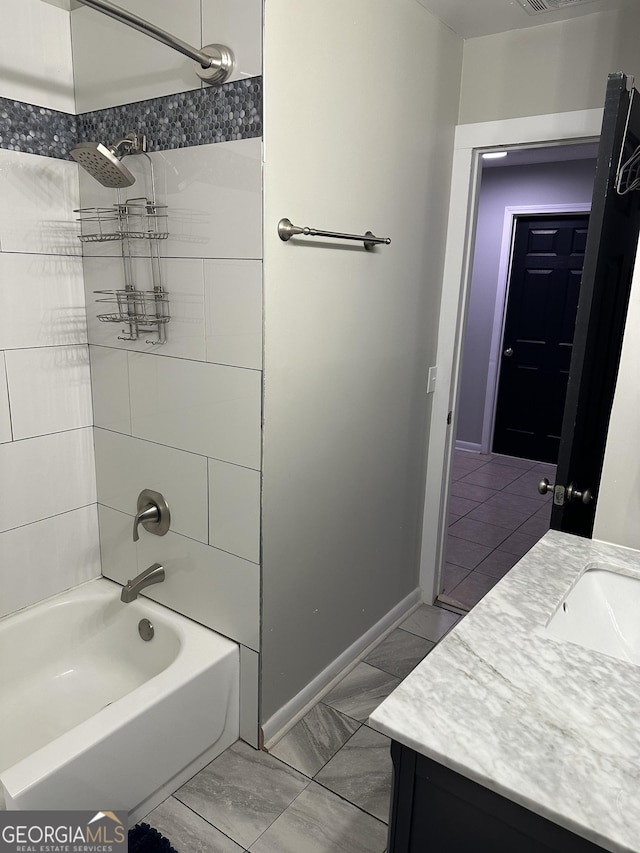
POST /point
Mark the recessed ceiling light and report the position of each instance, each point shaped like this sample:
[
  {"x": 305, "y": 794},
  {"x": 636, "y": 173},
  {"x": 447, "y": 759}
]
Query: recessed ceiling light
[{"x": 494, "y": 155}]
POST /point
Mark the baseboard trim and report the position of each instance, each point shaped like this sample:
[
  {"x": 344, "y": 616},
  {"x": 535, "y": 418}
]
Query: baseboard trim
[
  {"x": 286, "y": 717},
  {"x": 470, "y": 446}
]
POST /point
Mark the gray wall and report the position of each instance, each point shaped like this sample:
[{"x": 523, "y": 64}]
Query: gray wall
[
  {"x": 549, "y": 183},
  {"x": 351, "y": 143}
]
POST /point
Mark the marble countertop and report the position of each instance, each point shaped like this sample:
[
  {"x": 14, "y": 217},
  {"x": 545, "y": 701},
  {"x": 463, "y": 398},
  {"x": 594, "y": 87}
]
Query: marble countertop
[{"x": 546, "y": 723}]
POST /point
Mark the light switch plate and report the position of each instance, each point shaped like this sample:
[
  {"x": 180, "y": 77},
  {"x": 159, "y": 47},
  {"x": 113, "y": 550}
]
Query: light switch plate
[{"x": 431, "y": 380}]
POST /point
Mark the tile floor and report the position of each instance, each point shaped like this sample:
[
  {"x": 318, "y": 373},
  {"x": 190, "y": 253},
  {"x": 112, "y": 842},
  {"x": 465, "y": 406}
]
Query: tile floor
[
  {"x": 325, "y": 786},
  {"x": 495, "y": 516}
]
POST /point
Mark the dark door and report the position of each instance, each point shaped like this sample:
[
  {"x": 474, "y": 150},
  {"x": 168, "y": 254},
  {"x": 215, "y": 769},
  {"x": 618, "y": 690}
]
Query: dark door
[
  {"x": 546, "y": 267},
  {"x": 602, "y": 308}
]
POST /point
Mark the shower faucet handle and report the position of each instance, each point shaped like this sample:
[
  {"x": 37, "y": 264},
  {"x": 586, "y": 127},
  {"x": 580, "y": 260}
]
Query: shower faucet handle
[
  {"x": 149, "y": 514},
  {"x": 152, "y": 513}
]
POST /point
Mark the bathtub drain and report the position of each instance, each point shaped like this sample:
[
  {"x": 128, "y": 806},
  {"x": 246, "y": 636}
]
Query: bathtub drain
[{"x": 145, "y": 629}]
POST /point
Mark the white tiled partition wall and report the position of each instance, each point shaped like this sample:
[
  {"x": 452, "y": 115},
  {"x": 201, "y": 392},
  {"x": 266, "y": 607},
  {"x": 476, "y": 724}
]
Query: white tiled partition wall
[
  {"x": 183, "y": 418},
  {"x": 48, "y": 519}
]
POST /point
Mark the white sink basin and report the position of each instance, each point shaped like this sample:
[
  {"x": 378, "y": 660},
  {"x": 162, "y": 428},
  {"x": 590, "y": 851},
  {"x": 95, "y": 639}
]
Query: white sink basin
[{"x": 601, "y": 612}]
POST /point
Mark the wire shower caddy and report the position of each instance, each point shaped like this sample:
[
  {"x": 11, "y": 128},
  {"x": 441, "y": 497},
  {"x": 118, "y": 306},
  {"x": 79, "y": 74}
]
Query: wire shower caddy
[{"x": 128, "y": 222}]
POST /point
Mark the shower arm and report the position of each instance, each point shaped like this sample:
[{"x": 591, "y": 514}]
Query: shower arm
[{"x": 215, "y": 62}]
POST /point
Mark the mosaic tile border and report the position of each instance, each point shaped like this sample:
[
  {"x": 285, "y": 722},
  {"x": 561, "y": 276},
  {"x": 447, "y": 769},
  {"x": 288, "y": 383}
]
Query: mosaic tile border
[
  {"x": 197, "y": 117},
  {"x": 36, "y": 130}
]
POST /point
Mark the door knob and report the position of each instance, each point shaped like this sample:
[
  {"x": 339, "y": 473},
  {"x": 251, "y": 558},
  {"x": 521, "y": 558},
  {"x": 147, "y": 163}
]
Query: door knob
[
  {"x": 574, "y": 495},
  {"x": 544, "y": 486},
  {"x": 508, "y": 352}
]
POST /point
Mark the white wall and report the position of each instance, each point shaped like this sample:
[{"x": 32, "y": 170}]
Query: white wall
[
  {"x": 550, "y": 68},
  {"x": 35, "y": 54},
  {"x": 114, "y": 64},
  {"x": 502, "y": 187},
  {"x": 618, "y": 508},
  {"x": 48, "y": 521},
  {"x": 360, "y": 105}
]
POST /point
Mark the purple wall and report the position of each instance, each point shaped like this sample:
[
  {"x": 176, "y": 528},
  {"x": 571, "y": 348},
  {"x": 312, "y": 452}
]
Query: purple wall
[{"x": 543, "y": 183}]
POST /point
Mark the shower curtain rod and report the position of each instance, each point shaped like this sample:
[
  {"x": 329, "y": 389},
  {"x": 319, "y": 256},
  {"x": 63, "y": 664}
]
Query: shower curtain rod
[{"x": 215, "y": 61}]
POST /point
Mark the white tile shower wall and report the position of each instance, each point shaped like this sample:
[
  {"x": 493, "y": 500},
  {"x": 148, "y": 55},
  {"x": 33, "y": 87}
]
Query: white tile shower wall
[
  {"x": 110, "y": 389},
  {"x": 37, "y": 198},
  {"x": 167, "y": 410},
  {"x": 208, "y": 409},
  {"x": 214, "y": 193},
  {"x": 5, "y": 415},
  {"x": 41, "y": 300},
  {"x": 170, "y": 409},
  {"x": 234, "y": 509},
  {"x": 125, "y": 466},
  {"x": 214, "y": 198},
  {"x": 48, "y": 519},
  {"x": 183, "y": 278},
  {"x": 47, "y": 476},
  {"x": 35, "y": 45},
  {"x": 216, "y": 313},
  {"x": 118, "y": 551},
  {"x": 217, "y": 589},
  {"x": 47, "y": 557},
  {"x": 249, "y": 696},
  {"x": 49, "y": 389},
  {"x": 116, "y": 65},
  {"x": 233, "y": 312}
]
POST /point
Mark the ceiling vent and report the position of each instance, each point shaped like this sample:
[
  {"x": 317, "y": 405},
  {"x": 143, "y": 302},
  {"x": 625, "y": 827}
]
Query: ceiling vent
[{"x": 539, "y": 7}]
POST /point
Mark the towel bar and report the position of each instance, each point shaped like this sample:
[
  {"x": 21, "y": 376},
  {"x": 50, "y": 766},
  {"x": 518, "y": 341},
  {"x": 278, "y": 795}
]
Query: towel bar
[{"x": 287, "y": 230}]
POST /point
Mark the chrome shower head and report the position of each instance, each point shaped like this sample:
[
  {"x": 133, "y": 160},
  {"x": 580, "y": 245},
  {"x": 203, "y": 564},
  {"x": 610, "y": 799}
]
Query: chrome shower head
[{"x": 104, "y": 164}]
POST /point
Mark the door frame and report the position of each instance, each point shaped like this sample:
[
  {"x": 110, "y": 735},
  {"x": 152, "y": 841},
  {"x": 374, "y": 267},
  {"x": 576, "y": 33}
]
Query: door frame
[
  {"x": 471, "y": 140},
  {"x": 502, "y": 296}
]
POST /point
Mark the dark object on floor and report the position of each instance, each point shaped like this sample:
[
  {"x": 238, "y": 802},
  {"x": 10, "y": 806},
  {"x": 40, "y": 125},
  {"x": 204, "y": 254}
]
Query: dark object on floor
[{"x": 145, "y": 839}]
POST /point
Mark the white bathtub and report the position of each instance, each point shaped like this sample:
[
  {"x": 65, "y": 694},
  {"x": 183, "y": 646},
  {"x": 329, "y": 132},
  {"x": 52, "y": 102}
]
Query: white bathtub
[{"x": 94, "y": 717}]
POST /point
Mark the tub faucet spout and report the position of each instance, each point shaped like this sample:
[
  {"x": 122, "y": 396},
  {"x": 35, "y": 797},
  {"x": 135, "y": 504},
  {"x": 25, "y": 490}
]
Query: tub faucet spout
[{"x": 130, "y": 591}]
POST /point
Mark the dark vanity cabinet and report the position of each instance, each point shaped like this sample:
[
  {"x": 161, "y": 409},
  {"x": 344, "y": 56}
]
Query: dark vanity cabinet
[{"x": 436, "y": 810}]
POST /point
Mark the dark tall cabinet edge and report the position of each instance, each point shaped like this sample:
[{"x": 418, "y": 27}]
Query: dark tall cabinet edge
[{"x": 404, "y": 766}]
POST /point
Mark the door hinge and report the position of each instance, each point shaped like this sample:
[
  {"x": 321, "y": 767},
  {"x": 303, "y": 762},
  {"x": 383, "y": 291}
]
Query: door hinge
[{"x": 449, "y": 417}]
